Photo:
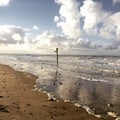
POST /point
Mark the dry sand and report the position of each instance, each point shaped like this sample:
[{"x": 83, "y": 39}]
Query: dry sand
[{"x": 18, "y": 101}]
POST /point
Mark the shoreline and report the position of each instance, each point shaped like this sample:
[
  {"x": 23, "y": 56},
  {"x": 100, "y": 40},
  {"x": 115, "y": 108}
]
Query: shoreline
[{"x": 19, "y": 101}]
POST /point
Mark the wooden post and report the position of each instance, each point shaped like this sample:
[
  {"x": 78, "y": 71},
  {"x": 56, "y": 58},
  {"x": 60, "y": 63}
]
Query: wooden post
[{"x": 57, "y": 55}]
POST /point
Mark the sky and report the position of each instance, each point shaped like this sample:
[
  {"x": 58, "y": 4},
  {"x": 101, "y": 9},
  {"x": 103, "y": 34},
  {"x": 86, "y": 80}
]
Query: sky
[{"x": 77, "y": 27}]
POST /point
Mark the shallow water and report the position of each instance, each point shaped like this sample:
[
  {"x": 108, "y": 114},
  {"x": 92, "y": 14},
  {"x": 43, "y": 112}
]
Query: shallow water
[{"x": 92, "y": 82}]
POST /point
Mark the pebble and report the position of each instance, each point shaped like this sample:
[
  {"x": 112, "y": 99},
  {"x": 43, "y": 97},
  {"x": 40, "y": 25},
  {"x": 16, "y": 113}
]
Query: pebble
[
  {"x": 109, "y": 105},
  {"x": 112, "y": 114},
  {"x": 77, "y": 105}
]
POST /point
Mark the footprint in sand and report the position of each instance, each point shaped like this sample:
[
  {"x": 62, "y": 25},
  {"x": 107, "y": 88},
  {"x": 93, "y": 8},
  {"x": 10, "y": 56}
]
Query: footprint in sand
[
  {"x": 1, "y": 96},
  {"x": 31, "y": 114},
  {"x": 3, "y": 108},
  {"x": 28, "y": 104},
  {"x": 3, "y": 81}
]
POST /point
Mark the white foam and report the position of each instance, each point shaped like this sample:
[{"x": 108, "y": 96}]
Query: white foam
[
  {"x": 117, "y": 118},
  {"x": 113, "y": 114},
  {"x": 91, "y": 112},
  {"x": 51, "y": 97},
  {"x": 77, "y": 105},
  {"x": 66, "y": 100}
]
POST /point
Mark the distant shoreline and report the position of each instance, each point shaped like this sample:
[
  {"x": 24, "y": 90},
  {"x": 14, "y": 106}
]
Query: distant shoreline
[{"x": 60, "y": 55}]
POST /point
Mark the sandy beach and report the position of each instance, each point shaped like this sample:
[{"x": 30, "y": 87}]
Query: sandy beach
[{"x": 19, "y": 101}]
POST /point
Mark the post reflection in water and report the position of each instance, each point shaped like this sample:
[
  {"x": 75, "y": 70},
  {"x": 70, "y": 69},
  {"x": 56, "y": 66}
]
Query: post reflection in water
[{"x": 101, "y": 97}]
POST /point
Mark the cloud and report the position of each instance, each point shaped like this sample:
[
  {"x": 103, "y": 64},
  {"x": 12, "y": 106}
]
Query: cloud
[
  {"x": 4, "y": 2},
  {"x": 35, "y": 27},
  {"x": 56, "y": 19},
  {"x": 111, "y": 27},
  {"x": 47, "y": 41},
  {"x": 51, "y": 40},
  {"x": 83, "y": 43},
  {"x": 74, "y": 21},
  {"x": 97, "y": 46},
  {"x": 15, "y": 39},
  {"x": 116, "y": 1},
  {"x": 10, "y": 34},
  {"x": 98, "y": 22},
  {"x": 69, "y": 20},
  {"x": 82, "y": 24},
  {"x": 87, "y": 19},
  {"x": 44, "y": 39},
  {"x": 79, "y": 23},
  {"x": 112, "y": 46},
  {"x": 92, "y": 14}
]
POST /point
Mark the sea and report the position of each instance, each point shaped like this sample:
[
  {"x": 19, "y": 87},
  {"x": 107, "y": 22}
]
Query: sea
[{"x": 90, "y": 82}]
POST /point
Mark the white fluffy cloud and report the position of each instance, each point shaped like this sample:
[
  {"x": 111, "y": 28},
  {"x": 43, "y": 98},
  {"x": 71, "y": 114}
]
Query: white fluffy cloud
[
  {"x": 79, "y": 23},
  {"x": 111, "y": 27},
  {"x": 90, "y": 20},
  {"x": 56, "y": 19},
  {"x": 4, "y": 2},
  {"x": 100, "y": 22},
  {"x": 92, "y": 14},
  {"x": 51, "y": 40},
  {"x": 14, "y": 39},
  {"x": 10, "y": 34},
  {"x": 44, "y": 39},
  {"x": 68, "y": 20},
  {"x": 35, "y": 27}
]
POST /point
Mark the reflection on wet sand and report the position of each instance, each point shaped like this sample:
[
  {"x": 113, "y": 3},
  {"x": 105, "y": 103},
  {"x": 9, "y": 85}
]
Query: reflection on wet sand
[{"x": 101, "y": 97}]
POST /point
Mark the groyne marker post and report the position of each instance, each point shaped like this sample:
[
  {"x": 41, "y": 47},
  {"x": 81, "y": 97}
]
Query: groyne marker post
[{"x": 56, "y": 55}]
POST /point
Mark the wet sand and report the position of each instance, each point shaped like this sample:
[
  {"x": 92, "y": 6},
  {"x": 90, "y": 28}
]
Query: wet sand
[{"x": 19, "y": 101}]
